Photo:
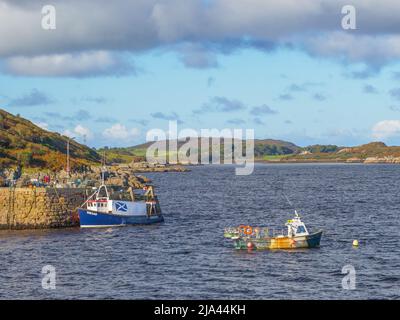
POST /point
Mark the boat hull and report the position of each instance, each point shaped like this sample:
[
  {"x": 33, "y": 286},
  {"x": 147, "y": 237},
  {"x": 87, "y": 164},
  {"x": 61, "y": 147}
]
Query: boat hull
[
  {"x": 310, "y": 241},
  {"x": 91, "y": 219}
]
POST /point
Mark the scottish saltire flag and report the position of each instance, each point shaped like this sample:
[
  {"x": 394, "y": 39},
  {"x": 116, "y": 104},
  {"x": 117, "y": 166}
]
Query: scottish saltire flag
[{"x": 120, "y": 206}]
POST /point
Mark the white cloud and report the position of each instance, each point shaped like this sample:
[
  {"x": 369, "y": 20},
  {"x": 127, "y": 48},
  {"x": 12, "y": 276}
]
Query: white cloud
[
  {"x": 42, "y": 125},
  {"x": 386, "y": 129},
  {"x": 82, "y": 131},
  {"x": 207, "y": 28},
  {"x": 81, "y": 25},
  {"x": 79, "y": 131},
  {"x": 77, "y": 65},
  {"x": 119, "y": 131},
  {"x": 356, "y": 48},
  {"x": 69, "y": 133}
]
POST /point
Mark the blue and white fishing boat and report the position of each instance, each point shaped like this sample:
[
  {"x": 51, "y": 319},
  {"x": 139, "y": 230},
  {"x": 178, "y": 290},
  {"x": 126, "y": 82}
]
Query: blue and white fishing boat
[{"x": 100, "y": 211}]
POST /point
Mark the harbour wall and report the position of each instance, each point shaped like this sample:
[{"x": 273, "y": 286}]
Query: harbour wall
[{"x": 40, "y": 208}]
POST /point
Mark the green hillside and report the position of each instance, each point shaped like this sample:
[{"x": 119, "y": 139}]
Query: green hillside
[
  {"x": 262, "y": 148},
  {"x": 343, "y": 154},
  {"x": 23, "y": 143},
  {"x": 279, "y": 151}
]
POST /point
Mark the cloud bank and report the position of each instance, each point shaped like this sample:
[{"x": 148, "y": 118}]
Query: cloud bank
[
  {"x": 386, "y": 129},
  {"x": 92, "y": 37},
  {"x": 34, "y": 98},
  {"x": 98, "y": 63}
]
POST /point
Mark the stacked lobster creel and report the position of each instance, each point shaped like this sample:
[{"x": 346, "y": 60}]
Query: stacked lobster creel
[
  {"x": 243, "y": 231},
  {"x": 245, "y": 236}
]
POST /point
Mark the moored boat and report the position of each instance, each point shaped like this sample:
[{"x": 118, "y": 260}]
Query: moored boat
[
  {"x": 247, "y": 237},
  {"x": 101, "y": 211}
]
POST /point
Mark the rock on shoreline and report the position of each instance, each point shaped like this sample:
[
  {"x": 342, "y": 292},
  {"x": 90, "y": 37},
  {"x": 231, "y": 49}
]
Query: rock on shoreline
[
  {"x": 368, "y": 160},
  {"x": 388, "y": 159},
  {"x": 123, "y": 175},
  {"x": 151, "y": 167}
]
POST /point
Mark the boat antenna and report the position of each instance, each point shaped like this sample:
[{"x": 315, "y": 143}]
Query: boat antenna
[
  {"x": 103, "y": 167},
  {"x": 287, "y": 199},
  {"x": 290, "y": 203}
]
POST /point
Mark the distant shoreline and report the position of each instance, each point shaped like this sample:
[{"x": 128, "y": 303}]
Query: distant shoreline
[
  {"x": 306, "y": 161},
  {"x": 326, "y": 161}
]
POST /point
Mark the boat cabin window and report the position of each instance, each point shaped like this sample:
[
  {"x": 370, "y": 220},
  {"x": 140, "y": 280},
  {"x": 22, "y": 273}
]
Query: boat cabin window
[
  {"x": 97, "y": 204},
  {"x": 300, "y": 229}
]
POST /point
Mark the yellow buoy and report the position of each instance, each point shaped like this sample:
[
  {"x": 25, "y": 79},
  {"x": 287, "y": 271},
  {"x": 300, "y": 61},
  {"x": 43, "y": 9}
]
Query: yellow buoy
[{"x": 355, "y": 243}]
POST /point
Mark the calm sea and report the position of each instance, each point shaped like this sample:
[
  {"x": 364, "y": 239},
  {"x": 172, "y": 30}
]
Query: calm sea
[{"x": 187, "y": 257}]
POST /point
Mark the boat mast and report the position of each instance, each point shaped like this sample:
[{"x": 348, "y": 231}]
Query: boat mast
[{"x": 103, "y": 165}]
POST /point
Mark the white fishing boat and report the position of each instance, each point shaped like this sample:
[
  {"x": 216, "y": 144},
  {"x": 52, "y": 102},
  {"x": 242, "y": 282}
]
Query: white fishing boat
[{"x": 100, "y": 211}]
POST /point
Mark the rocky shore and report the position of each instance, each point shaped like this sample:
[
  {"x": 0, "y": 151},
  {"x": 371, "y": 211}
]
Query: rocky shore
[
  {"x": 123, "y": 175},
  {"x": 388, "y": 159},
  {"x": 150, "y": 167},
  {"x": 350, "y": 160},
  {"x": 368, "y": 160}
]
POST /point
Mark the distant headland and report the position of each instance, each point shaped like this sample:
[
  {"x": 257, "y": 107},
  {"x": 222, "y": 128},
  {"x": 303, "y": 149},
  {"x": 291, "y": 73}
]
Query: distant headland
[{"x": 22, "y": 143}]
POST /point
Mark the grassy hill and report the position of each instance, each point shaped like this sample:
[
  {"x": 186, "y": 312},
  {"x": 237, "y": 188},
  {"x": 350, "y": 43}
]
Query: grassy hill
[
  {"x": 270, "y": 149},
  {"x": 123, "y": 155},
  {"x": 24, "y": 143},
  {"x": 330, "y": 153},
  {"x": 281, "y": 151},
  {"x": 262, "y": 150}
]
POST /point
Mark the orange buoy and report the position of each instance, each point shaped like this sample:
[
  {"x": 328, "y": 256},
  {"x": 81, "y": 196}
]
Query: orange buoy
[{"x": 248, "y": 230}]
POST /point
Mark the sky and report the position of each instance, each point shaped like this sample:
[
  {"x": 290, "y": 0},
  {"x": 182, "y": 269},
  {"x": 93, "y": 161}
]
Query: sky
[{"x": 112, "y": 70}]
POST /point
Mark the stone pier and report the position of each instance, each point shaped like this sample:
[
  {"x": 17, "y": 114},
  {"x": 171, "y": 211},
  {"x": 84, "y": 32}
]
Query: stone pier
[{"x": 40, "y": 208}]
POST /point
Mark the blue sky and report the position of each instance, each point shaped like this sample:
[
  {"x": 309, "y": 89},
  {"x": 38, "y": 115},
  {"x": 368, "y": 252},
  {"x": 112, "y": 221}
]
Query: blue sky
[{"x": 290, "y": 92}]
